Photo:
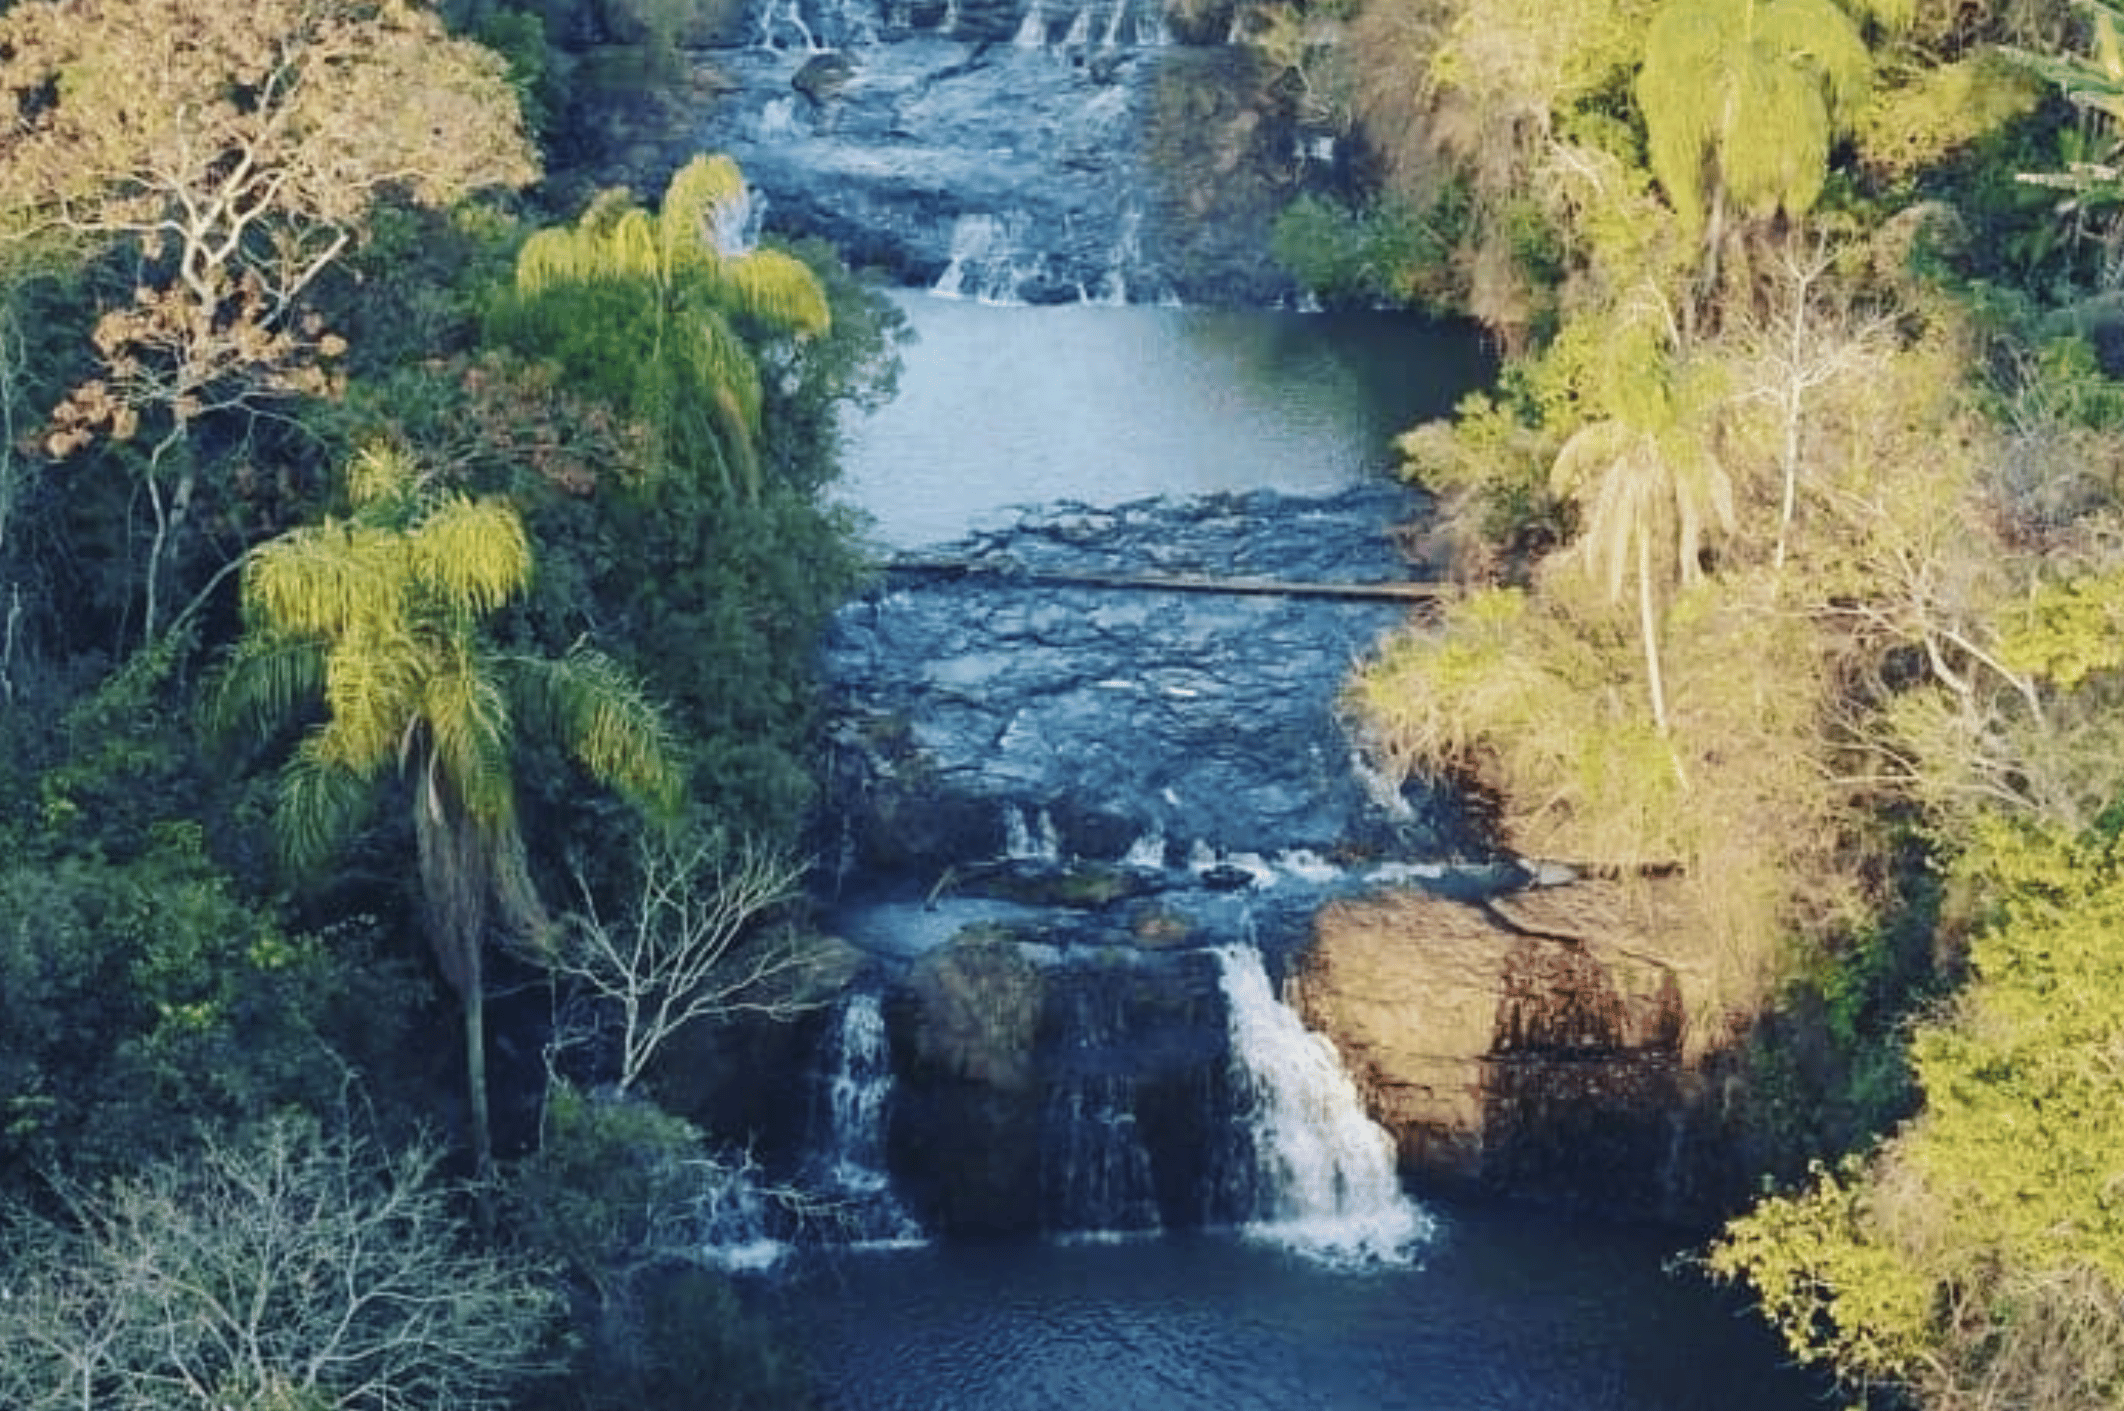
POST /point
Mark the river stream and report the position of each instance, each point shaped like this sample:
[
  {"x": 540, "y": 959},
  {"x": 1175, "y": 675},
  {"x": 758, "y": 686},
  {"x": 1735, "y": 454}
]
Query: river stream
[{"x": 1472, "y": 1307}]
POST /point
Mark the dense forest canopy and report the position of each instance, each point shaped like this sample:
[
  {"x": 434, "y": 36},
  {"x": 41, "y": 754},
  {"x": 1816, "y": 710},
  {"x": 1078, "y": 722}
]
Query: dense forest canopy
[
  {"x": 405, "y": 590},
  {"x": 408, "y": 592}
]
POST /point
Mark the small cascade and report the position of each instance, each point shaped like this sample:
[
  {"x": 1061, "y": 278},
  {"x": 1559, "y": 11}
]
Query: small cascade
[
  {"x": 1127, "y": 254},
  {"x": 1034, "y": 842},
  {"x": 1095, "y": 1171},
  {"x": 1112, "y": 38},
  {"x": 986, "y": 262},
  {"x": 782, "y": 20},
  {"x": 733, "y": 1218},
  {"x": 1146, "y": 851},
  {"x": 1322, "y": 1180},
  {"x": 1032, "y": 30},
  {"x": 859, "y": 1086}
]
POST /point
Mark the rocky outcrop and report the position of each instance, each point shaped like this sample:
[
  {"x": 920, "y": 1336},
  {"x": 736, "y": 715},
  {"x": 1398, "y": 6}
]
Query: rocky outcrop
[
  {"x": 1093, "y": 720},
  {"x": 1532, "y": 1045},
  {"x": 1037, "y": 151},
  {"x": 1044, "y": 1090}
]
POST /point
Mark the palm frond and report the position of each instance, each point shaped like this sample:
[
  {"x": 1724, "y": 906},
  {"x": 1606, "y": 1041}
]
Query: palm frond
[
  {"x": 471, "y": 738},
  {"x": 599, "y": 712},
  {"x": 724, "y": 383},
  {"x": 321, "y": 806},
  {"x": 1752, "y": 90},
  {"x": 778, "y": 289},
  {"x": 371, "y": 688},
  {"x": 382, "y": 476},
  {"x": 317, "y": 580},
  {"x": 472, "y": 554},
  {"x": 699, "y": 198},
  {"x": 263, "y": 683}
]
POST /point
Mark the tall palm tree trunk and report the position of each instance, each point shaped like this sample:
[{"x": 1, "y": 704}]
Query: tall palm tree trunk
[
  {"x": 482, "y": 1131},
  {"x": 1648, "y": 623}
]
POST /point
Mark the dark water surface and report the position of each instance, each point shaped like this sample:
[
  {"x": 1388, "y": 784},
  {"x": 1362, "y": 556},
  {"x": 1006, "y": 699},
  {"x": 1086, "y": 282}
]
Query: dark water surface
[
  {"x": 1003, "y": 406},
  {"x": 1508, "y": 1311}
]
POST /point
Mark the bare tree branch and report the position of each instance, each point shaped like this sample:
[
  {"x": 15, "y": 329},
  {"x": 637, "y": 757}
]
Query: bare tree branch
[{"x": 693, "y": 946}]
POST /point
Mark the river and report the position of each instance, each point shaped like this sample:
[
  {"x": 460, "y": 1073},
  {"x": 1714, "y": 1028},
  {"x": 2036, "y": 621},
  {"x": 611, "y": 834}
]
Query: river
[
  {"x": 1005, "y": 406},
  {"x": 1497, "y": 1306}
]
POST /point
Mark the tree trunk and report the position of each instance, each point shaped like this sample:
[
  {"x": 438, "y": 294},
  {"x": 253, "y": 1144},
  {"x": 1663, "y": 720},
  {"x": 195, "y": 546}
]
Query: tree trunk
[
  {"x": 1648, "y": 622},
  {"x": 482, "y": 1134}
]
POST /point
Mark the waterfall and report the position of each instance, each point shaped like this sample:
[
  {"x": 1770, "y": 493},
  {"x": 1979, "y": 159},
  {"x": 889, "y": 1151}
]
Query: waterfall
[
  {"x": 732, "y": 1216},
  {"x": 1323, "y": 1180},
  {"x": 858, "y": 1102},
  {"x": 1146, "y": 851},
  {"x": 1112, "y": 37},
  {"x": 775, "y": 15},
  {"x": 1037, "y": 842},
  {"x": 1032, "y": 30},
  {"x": 1095, "y": 1171}
]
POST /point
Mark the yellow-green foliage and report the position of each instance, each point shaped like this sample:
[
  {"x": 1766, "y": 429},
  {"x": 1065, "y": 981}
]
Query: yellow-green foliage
[
  {"x": 1514, "y": 696},
  {"x": 2069, "y": 631},
  {"x": 1979, "y": 1256},
  {"x": 1941, "y": 110},
  {"x": 645, "y": 309},
  {"x": 379, "y": 615},
  {"x": 1753, "y": 92},
  {"x": 1538, "y": 701}
]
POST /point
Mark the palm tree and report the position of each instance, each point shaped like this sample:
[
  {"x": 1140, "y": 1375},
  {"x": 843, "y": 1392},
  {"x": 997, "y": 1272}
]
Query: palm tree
[
  {"x": 376, "y": 617},
  {"x": 1741, "y": 101},
  {"x": 588, "y": 294},
  {"x": 1649, "y": 487}
]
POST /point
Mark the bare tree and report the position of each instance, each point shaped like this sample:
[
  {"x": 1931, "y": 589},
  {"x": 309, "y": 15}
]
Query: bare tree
[
  {"x": 290, "y": 1271},
  {"x": 693, "y": 947}
]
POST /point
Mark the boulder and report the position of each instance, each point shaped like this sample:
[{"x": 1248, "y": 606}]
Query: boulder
[{"x": 1531, "y": 1045}]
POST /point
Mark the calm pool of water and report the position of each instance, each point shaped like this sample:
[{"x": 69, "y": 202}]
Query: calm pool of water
[
  {"x": 1508, "y": 1311},
  {"x": 1012, "y": 405}
]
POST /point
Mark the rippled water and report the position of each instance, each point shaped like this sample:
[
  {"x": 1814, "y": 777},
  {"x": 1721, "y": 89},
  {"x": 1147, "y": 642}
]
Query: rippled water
[
  {"x": 1508, "y": 1311},
  {"x": 1003, "y": 406}
]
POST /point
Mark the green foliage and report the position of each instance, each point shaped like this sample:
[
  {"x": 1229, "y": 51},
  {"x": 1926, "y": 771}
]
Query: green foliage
[
  {"x": 641, "y": 310},
  {"x": 622, "y": 1193},
  {"x": 812, "y": 383},
  {"x": 1353, "y": 258},
  {"x": 1980, "y": 1251},
  {"x": 613, "y": 1189},
  {"x": 377, "y": 618},
  {"x": 711, "y": 563},
  {"x": 1940, "y": 112},
  {"x": 149, "y": 998}
]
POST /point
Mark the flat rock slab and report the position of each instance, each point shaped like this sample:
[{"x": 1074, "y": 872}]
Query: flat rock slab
[{"x": 977, "y": 715}]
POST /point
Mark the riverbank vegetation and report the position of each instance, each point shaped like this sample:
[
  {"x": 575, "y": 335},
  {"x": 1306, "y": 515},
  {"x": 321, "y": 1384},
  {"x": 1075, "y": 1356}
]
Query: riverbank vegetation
[
  {"x": 1790, "y": 544},
  {"x": 406, "y": 589}
]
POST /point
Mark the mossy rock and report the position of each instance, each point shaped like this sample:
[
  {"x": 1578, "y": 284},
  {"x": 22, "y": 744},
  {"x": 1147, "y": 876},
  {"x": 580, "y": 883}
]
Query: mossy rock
[{"x": 978, "y": 1002}]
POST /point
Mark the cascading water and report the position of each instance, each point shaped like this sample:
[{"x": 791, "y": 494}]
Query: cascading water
[
  {"x": 733, "y": 1216},
  {"x": 1036, "y": 841},
  {"x": 859, "y": 1085},
  {"x": 1095, "y": 1171},
  {"x": 1322, "y": 1179}
]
